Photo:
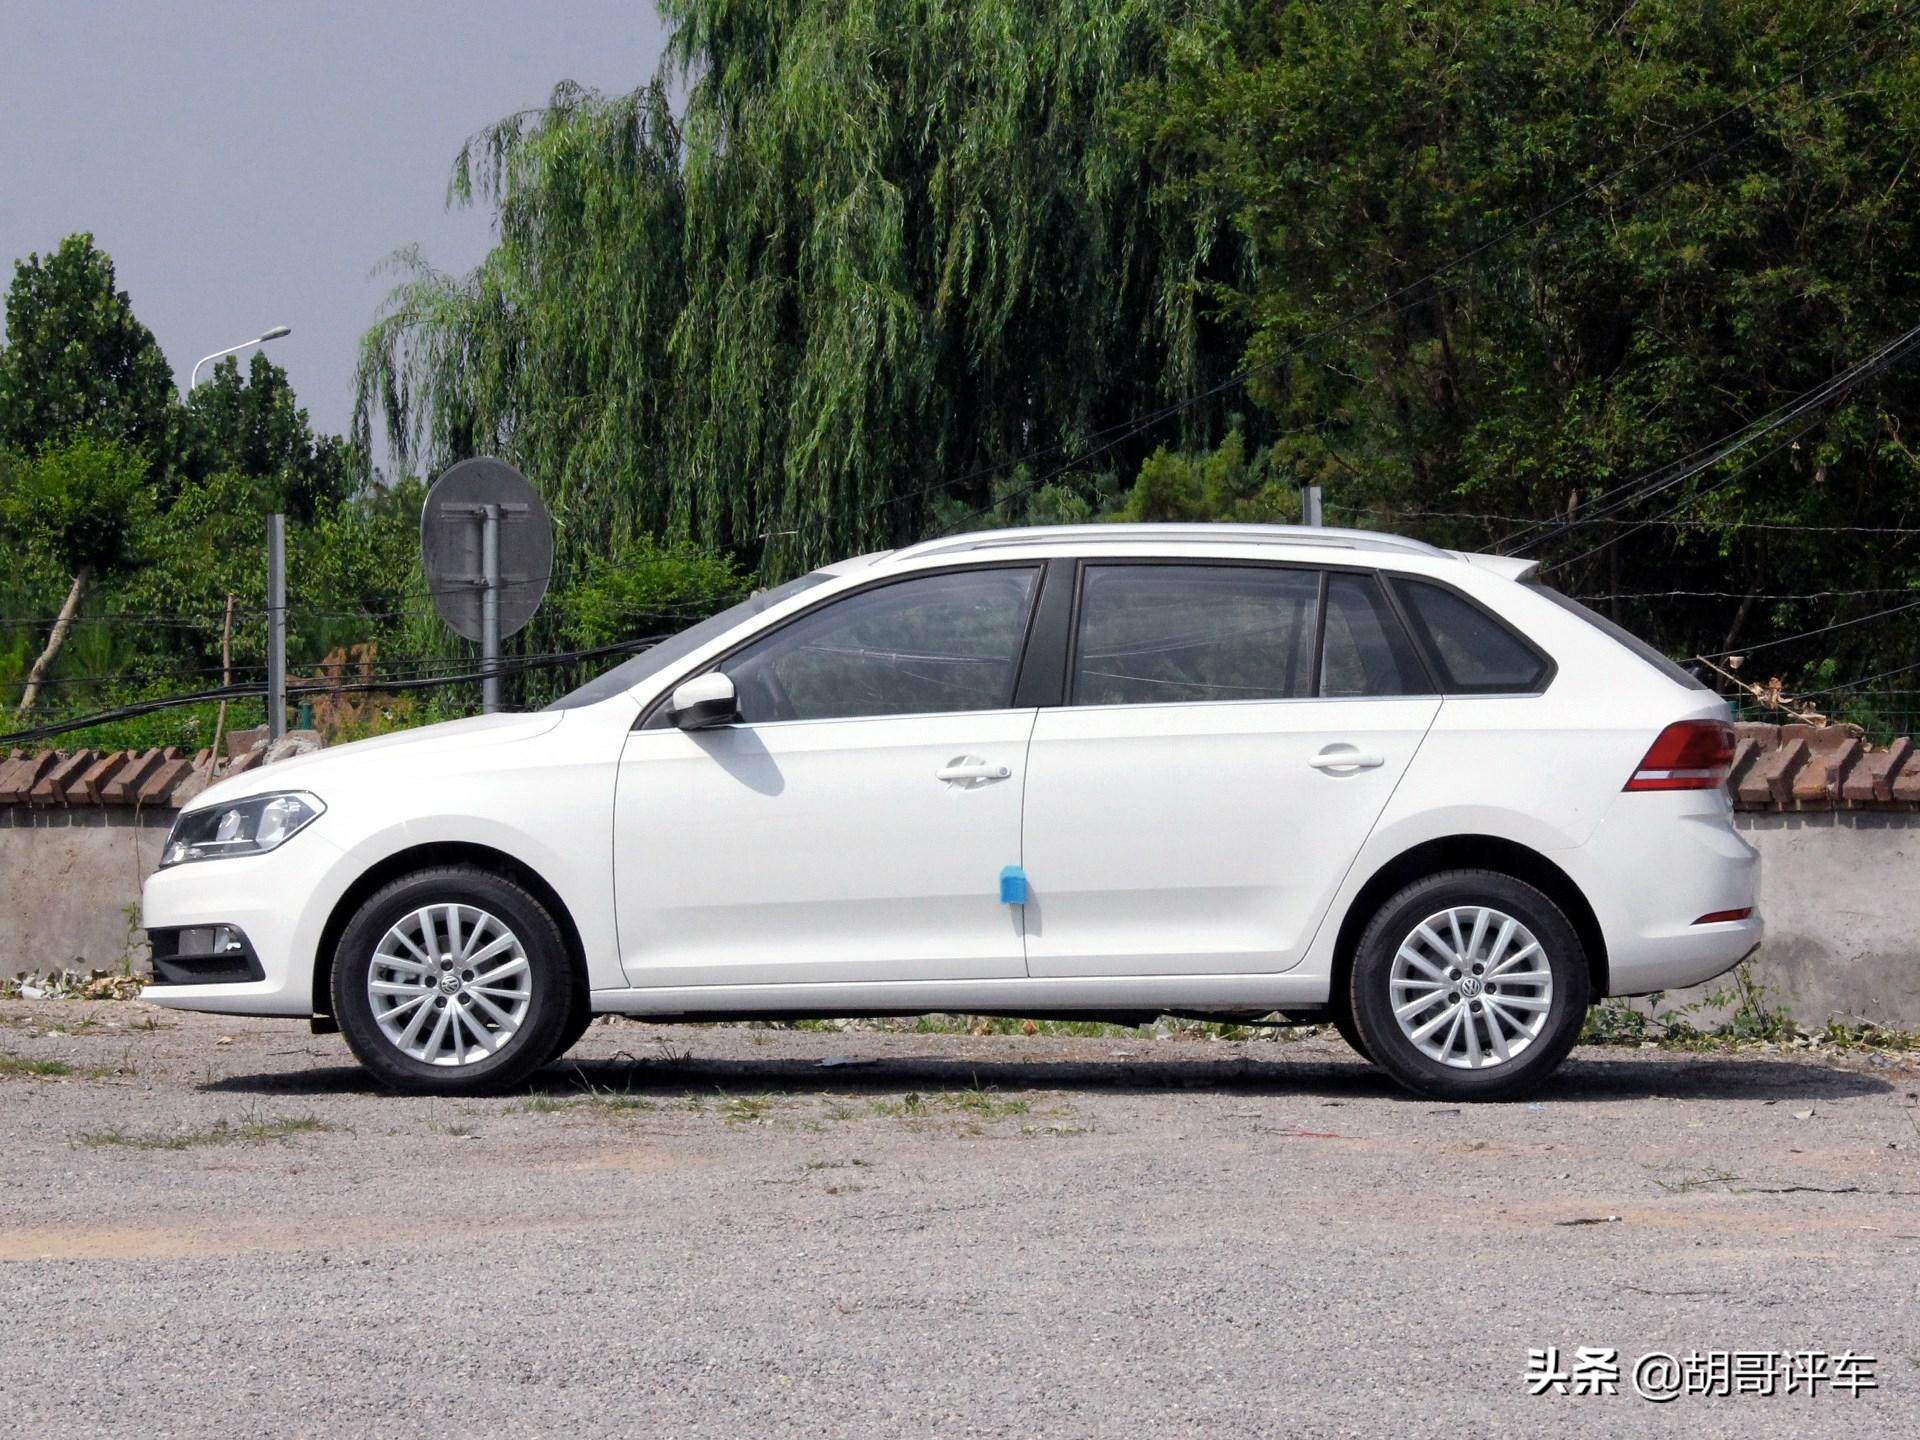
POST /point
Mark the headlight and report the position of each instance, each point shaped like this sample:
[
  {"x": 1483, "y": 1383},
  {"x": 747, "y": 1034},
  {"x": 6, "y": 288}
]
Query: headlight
[{"x": 244, "y": 827}]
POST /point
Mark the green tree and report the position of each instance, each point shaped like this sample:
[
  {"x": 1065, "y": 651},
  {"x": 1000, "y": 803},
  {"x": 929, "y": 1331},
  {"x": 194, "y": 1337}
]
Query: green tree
[
  {"x": 646, "y": 586},
  {"x": 76, "y": 359},
  {"x": 1225, "y": 484},
  {"x": 255, "y": 427},
  {"x": 1730, "y": 256},
  {"x": 81, "y": 506}
]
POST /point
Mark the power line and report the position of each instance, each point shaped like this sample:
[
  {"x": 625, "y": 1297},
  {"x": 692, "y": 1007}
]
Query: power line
[
  {"x": 1746, "y": 594},
  {"x": 1705, "y": 458},
  {"x": 1852, "y": 685},
  {"x": 1394, "y": 514},
  {"x": 155, "y": 621},
  {"x": 675, "y": 610},
  {"x": 1718, "y": 485},
  {"x": 134, "y": 677},
  {"x": 297, "y": 686},
  {"x": 1810, "y": 634}
]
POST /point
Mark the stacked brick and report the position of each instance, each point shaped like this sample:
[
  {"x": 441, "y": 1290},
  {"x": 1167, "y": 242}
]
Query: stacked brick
[
  {"x": 1801, "y": 767},
  {"x": 140, "y": 779},
  {"x": 1775, "y": 768}
]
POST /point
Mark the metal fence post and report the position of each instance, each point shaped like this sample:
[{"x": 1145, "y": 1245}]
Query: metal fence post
[{"x": 276, "y": 626}]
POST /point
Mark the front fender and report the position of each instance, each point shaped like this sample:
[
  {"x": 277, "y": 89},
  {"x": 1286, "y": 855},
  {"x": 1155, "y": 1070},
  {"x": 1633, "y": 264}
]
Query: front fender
[{"x": 579, "y": 875}]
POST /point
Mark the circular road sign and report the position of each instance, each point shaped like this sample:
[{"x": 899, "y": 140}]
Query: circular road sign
[{"x": 452, "y": 525}]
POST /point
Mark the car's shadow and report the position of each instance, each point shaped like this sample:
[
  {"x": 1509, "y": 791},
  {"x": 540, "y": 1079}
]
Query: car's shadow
[{"x": 1634, "y": 1076}]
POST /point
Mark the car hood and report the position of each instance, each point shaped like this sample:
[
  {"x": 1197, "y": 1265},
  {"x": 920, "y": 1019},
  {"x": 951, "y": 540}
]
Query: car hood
[{"x": 404, "y": 747}]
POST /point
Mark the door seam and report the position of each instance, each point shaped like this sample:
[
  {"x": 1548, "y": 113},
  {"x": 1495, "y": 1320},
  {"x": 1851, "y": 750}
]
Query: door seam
[
  {"x": 1347, "y": 874},
  {"x": 1026, "y": 774}
]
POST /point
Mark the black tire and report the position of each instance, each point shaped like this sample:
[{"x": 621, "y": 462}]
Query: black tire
[
  {"x": 1342, "y": 1018},
  {"x": 550, "y": 1008},
  {"x": 577, "y": 1024},
  {"x": 1390, "y": 1047}
]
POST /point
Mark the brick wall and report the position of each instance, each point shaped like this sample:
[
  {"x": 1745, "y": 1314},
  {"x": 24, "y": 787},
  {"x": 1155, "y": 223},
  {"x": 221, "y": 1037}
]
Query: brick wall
[
  {"x": 136, "y": 779},
  {"x": 1800, "y": 767}
]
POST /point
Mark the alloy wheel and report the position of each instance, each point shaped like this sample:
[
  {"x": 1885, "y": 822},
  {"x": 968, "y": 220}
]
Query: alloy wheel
[
  {"x": 449, "y": 984},
  {"x": 1471, "y": 987}
]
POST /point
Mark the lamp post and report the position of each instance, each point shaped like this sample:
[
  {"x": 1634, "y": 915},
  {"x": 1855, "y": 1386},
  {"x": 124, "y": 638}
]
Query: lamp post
[
  {"x": 276, "y": 568},
  {"x": 262, "y": 338}
]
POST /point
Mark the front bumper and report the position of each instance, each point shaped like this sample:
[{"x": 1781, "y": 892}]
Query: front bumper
[
  {"x": 279, "y": 901},
  {"x": 203, "y": 955}
]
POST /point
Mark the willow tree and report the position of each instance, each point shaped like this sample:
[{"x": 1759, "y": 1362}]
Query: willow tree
[{"x": 880, "y": 254}]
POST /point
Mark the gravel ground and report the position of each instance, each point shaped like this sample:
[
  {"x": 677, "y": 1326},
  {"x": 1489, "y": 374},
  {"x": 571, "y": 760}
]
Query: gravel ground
[{"x": 217, "y": 1227}]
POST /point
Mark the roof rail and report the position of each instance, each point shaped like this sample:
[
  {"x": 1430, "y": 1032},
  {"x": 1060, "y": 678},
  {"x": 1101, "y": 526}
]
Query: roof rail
[{"x": 1327, "y": 537}]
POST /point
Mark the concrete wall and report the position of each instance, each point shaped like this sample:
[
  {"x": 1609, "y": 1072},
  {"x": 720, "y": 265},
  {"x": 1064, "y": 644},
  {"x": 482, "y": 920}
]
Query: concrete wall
[
  {"x": 70, "y": 886},
  {"x": 1840, "y": 891}
]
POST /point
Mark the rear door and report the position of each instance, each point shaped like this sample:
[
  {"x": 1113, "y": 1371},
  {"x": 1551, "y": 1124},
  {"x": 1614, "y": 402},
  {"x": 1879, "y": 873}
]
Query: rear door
[{"x": 1232, "y": 732}]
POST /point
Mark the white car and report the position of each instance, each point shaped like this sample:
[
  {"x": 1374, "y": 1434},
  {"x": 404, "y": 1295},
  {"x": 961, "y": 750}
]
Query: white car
[{"x": 1108, "y": 771}]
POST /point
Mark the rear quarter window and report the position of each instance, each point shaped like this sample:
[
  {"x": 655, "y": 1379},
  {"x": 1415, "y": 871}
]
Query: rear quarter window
[
  {"x": 1472, "y": 652},
  {"x": 1670, "y": 668}
]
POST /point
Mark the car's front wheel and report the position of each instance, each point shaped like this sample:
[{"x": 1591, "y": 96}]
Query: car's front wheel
[
  {"x": 1469, "y": 985},
  {"x": 453, "y": 981}
]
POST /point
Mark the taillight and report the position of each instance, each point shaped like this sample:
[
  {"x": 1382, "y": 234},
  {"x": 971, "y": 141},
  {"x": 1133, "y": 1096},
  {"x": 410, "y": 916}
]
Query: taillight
[{"x": 1687, "y": 755}]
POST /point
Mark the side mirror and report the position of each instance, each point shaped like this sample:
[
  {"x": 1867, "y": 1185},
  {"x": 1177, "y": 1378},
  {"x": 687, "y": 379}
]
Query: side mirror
[{"x": 704, "y": 701}]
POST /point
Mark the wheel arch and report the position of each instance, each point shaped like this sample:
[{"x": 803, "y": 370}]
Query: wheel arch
[
  {"x": 1470, "y": 852},
  {"x": 421, "y": 857}
]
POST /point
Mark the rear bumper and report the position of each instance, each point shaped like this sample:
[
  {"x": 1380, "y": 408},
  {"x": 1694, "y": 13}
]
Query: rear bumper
[
  {"x": 1674, "y": 962},
  {"x": 1654, "y": 867}
]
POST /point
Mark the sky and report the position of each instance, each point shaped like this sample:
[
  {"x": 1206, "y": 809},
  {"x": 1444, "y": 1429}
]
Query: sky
[{"x": 251, "y": 165}]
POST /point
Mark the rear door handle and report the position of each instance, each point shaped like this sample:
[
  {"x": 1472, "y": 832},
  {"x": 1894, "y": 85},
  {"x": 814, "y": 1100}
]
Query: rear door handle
[
  {"x": 970, "y": 769},
  {"x": 1345, "y": 757}
]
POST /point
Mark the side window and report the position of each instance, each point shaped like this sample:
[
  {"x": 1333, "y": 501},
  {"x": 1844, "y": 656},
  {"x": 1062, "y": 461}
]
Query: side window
[
  {"x": 1476, "y": 653},
  {"x": 917, "y": 647},
  {"x": 1366, "y": 651},
  {"x": 1156, "y": 634}
]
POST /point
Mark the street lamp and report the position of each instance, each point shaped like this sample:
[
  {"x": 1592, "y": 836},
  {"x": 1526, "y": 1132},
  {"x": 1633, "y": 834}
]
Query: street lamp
[{"x": 275, "y": 333}]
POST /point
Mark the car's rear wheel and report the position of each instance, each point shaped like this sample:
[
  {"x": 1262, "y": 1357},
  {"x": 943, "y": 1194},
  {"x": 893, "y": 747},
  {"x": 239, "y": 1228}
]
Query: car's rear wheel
[
  {"x": 1343, "y": 1022},
  {"x": 1469, "y": 985},
  {"x": 453, "y": 981}
]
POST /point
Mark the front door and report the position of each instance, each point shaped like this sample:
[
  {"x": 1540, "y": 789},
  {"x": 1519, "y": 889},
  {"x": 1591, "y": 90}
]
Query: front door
[
  {"x": 1195, "y": 805},
  {"x": 853, "y": 825}
]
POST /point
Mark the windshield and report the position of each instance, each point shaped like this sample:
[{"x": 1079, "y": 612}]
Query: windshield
[{"x": 629, "y": 673}]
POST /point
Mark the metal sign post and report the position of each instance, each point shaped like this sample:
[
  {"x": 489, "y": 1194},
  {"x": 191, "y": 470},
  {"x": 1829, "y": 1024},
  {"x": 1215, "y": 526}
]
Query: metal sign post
[
  {"x": 487, "y": 547},
  {"x": 1310, "y": 505},
  {"x": 489, "y": 585},
  {"x": 490, "y": 608}
]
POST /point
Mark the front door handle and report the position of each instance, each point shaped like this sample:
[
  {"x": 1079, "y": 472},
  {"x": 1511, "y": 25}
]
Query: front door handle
[
  {"x": 970, "y": 770},
  {"x": 1345, "y": 757}
]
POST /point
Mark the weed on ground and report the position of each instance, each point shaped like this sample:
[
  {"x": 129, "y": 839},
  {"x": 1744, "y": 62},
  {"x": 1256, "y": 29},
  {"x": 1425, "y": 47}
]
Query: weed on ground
[{"x": 250, "y": 1130}]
